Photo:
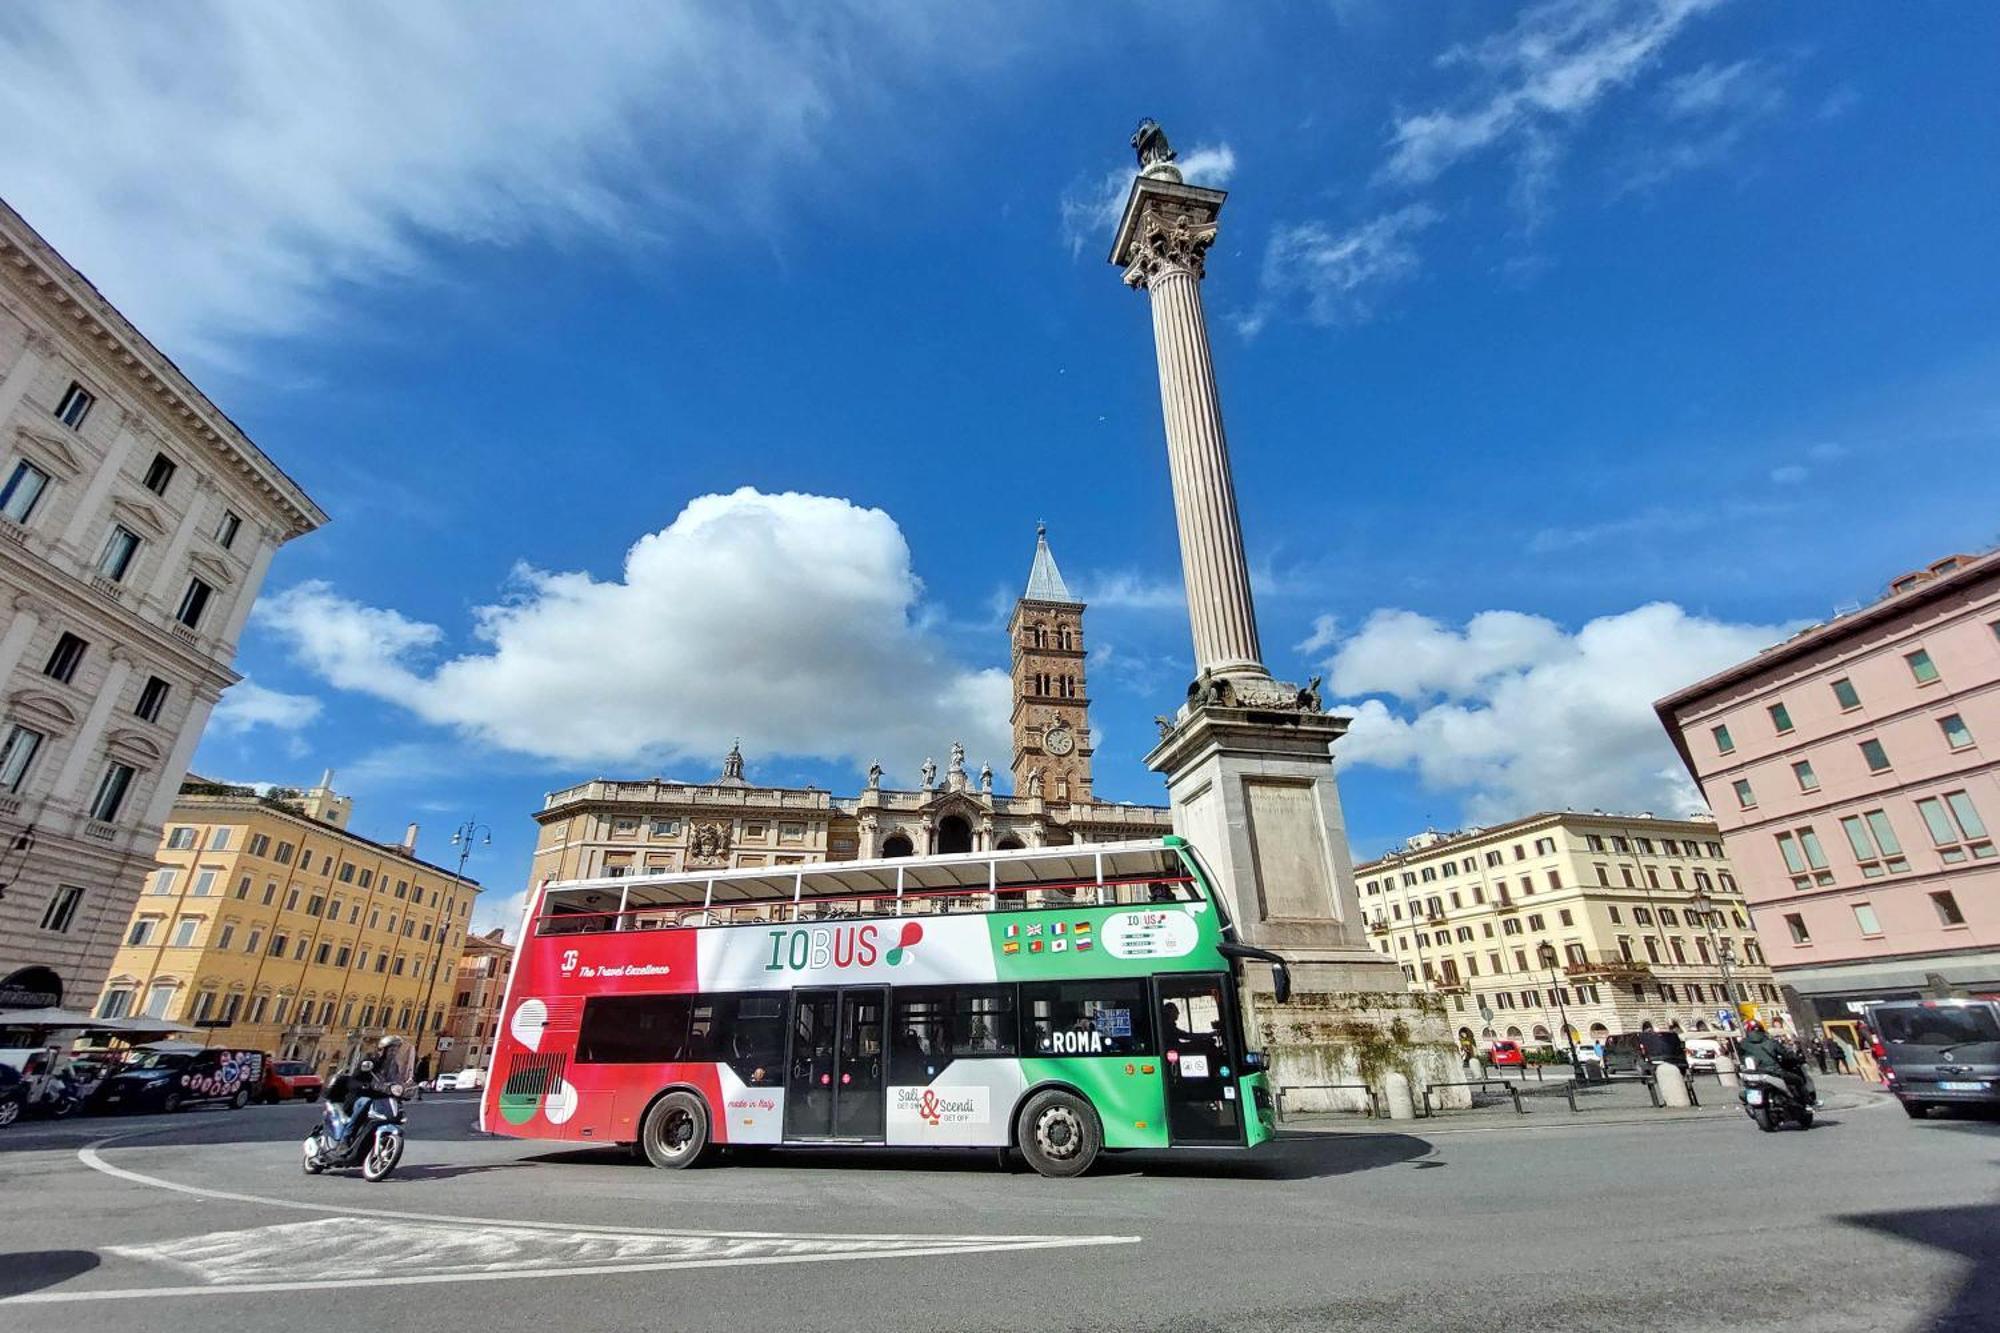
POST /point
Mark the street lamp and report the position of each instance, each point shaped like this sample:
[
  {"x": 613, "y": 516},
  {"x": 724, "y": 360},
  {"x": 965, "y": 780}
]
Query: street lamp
[
  {"x": 1547, "y": 954},
  {"x": 462, "y": 838},
  {"x": 1705, "y": 905}
]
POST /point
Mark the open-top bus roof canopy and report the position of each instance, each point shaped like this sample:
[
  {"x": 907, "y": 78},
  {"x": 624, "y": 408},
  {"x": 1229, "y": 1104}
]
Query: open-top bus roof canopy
[{"x": 1080, "y": 863}]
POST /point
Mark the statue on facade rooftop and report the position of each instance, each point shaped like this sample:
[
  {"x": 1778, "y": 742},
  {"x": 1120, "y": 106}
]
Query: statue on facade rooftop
[
  {"x": 986, "y": 778},
  {"x": 875, "y": 776},
  {"x": 930, "y": 772},
  {"x": 1149, "y": 141},
  {"x": 957, "y": 758}
]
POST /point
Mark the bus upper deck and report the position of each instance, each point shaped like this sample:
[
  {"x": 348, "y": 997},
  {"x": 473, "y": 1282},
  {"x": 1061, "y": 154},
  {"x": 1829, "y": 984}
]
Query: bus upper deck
[{"x": 1154, "y": 871}]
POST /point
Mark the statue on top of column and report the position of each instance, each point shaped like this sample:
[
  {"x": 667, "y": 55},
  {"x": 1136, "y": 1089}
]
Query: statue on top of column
[{"x": 1156, "y": 155}]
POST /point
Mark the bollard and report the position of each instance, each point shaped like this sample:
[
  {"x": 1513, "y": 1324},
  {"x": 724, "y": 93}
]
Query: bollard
[
  {"x": 1396, "y": 1092},
  {"x": 1726, "y": 1076},
  {"x": 1672, "y": 1085}
]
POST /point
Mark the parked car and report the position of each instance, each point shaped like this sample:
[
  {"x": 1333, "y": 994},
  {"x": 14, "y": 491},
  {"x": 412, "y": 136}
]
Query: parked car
[
  {"x": 290, "y": 1081},
  {"x": 1504, "y": 1054},
  {"x": 171, "y": 1075},
  {"x": 1937, "y": 1052},
  {"x": 1704, "y": 1054},
  {"x": 13, "y": 1094},
  {"x": 463, "y": 1080}
]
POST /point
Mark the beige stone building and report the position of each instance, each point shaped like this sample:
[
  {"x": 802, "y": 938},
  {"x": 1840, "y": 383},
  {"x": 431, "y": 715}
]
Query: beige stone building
[
  {"x": 271, "y": 926},
  {"x": 624, "y": 827},
  {"x": 475, "y": 1005},
  {"x": 1597, "y": 916},
  {"x": 136, "y": 525}
]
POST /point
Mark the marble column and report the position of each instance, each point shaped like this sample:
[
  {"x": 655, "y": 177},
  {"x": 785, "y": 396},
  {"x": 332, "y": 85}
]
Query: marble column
[{"x": 1162, "y": 243}]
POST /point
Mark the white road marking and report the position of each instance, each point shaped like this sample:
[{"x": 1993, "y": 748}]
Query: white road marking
[{"x": 333, "y": 1253}]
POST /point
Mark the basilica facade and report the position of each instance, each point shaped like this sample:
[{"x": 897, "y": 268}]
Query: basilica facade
[{"x": 614, "y": 827}]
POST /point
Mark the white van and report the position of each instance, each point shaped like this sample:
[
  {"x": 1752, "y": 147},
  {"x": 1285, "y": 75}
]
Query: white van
[{"x": 1704, "y": 1054}]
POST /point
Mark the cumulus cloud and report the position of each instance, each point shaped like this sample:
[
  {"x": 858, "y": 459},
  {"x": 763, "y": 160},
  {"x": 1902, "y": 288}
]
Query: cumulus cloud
[
  {"x": 788, "y": 620},
  {"x": 1090, "y": 208},
  {"x": 1513, "y": 713},
  {"x": 247, "y": 704},
  {"x": 1336, "y": 277},
  {"x": 217, "y": 169}
]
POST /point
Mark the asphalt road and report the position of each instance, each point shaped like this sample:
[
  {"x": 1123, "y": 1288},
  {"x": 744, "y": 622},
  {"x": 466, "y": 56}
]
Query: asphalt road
[{"x": 1870, "y": 1221}]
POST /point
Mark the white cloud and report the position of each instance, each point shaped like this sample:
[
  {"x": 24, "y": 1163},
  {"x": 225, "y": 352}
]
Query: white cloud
[
  {"x": 218, "y": 168},
  {"x": 1514, "y": 714},
  {"x": 1129, "y": 591},
  {"x": 1325, "y": 633},
  {"x": 1746, "y": 85},
  {"x": 1090, "y": 208},
  {"x": 788, "y": 620},
  {"x": 1791, "y": 474},
  {"x": 247, "y": 704},
  {"x": 1338, "y": 275},
  {"x": 1535, "y": 83}
]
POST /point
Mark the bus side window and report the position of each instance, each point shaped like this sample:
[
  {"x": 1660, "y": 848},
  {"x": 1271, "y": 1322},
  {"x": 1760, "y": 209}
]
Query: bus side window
[
  {"x": 633, "y": 1029},
  {"x": 1086, "y": 1017}
]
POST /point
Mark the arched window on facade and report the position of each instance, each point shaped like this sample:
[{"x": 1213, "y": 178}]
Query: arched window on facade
[
  {"x": 1040, "y": 635},
  {"x": 897, "y": 845}
]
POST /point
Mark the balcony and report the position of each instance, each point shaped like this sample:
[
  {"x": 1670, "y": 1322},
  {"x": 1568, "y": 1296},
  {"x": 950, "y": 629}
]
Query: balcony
[
  {"x": 1506, "y": 905},
  {"x": 100, "y": 831},
  {"x": 1608, "y": 967},
  {"x": 184, "y": 634},
  {"x": 106, "y": 588},
  {"x": 1378, "y": 925}
]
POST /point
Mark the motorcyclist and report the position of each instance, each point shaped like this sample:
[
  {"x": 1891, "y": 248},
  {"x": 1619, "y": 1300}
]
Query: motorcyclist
[
  {"x": 371, "y": 1077},
  {"x": 1760, "y": 1050}
]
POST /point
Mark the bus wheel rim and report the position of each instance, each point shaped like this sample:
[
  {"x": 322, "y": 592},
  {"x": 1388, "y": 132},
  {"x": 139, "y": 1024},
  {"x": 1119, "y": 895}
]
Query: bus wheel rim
[
  {"x": 676, "y": 1132},
  {"x": 1058, "y": 1133}
]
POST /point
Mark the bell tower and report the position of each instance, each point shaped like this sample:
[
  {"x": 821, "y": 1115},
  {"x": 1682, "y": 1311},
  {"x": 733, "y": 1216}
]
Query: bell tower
[{"x": 1051, "y": 708}]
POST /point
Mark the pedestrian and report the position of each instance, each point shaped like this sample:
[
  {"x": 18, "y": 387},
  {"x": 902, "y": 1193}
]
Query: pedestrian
[
  {"x": 1836, "y": 1051},
  {"x": 1819, "y": 1053}
]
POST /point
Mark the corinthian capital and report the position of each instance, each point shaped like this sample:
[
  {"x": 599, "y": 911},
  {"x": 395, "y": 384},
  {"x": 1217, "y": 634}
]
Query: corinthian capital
[{"x": 1168, "y": 242}]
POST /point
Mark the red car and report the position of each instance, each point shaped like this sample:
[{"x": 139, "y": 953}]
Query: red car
[
  {"x": 290, "y": 1080},
  {"x": 1505, "y": 1055}
]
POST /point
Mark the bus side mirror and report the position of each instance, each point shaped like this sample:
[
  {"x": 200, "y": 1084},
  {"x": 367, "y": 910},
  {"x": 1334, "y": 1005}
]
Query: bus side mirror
[{"x": 1281, "y": 983}]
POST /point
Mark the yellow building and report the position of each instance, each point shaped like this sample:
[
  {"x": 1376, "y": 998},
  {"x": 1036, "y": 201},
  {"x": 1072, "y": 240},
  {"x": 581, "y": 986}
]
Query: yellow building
[
  {"x": 1609, "y": 920},
  {"x": 270, "y": 926}
]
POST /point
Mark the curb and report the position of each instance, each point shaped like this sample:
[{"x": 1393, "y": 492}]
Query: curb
[{"x": 1463, "y": 1122}]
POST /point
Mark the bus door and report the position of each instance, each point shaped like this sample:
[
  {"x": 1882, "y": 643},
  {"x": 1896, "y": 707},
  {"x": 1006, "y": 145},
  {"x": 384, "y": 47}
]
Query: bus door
[
  {"x": 1201, "y": 1058},
  {"x": 836, "y": 1087}
]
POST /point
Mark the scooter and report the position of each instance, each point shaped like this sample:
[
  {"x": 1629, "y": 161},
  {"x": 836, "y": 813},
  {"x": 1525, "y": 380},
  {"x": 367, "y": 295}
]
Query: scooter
[
  {"x": 375, "y": 1145},
  {"x": 1769, "y": 1100},
  {"x": 57, "y": 1098}
]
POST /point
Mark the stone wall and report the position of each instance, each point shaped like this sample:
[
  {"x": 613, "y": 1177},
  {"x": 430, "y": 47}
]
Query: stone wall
[{"x": 1329, "y": 1037}]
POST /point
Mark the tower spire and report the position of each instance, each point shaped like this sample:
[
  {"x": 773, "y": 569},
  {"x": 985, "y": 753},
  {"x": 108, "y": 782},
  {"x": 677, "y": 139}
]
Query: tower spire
[{"x": 1045, "y": 581}]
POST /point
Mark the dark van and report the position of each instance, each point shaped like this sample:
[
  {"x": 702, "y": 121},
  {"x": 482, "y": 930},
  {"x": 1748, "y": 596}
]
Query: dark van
[
  {"x": 1631, "y": 1052},
  {"x": 163, "y": 1079},
  {"x": 1937, "y": 1052}
]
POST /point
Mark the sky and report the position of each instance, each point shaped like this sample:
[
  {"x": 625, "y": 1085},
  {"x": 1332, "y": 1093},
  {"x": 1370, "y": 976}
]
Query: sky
[{"x": 675, "y": 374}]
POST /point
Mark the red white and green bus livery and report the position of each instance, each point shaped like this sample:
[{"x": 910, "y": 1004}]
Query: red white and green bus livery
[{"x": 1058, "y": 1000}]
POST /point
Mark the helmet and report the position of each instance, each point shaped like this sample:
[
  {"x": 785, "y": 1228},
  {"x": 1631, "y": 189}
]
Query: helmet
[
  {"x": 388, "y": 1042},
  {"x": 1753, "y": 1025}
]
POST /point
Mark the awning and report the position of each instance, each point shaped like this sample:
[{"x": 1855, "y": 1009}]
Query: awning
[{"x": 70, "y": 1018}]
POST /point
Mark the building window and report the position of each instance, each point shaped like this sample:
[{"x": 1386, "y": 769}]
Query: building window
[
  {"x": 1796, "y": 924},
  {"x": 23, "y": 489},
  {"x": 181, "y": 838},
  {"x": 1804, "y": 858},
  {"x": 1956, "y": 734},
  {"x": 1921, "y": 666},
  {"x": 75, "y": 405},
  {"x": 1545, "y": 846},
  {"x": 61, "y": 911},
  {"x": 117, "y": 1004},
  {"x": 119, "y": 549},
  {"x": 1780, "y": 719},
  {"x": 160, "y": 474},
  {"x": 1723, "y": 745},
  {"x": 152, "y": 700},
  {"x": 1873, "y": 840},
  {"x": 1803, "y": 771},
  {"x": 17, "y": 756},
  {"x": 1844, "y": 695},
  {"x": 142, "y": 930},
  {"x": 204, "y": 883},
  {"x": 111, "y": 789},
  {"x": 1874, "y": 755},
  {"x": 1864, "y": 917},
  {"x": 260, "y": 844},
  {"x": 1946, "y": 907},
  {"x": 218, "y": 839},
  {"x": 184, "y": 931},
  {"x": 283, "y": 856},
  {"x": 66, "y": 658},
  {"x": 1955, "y": 828},
  {"x": 227, "y": 936},
  {"x": 1745, "y": 798},
  {"x": 226, "y": 530},
  {"x": 666, "y": 828},
  {"x": 193, "y": 602}
]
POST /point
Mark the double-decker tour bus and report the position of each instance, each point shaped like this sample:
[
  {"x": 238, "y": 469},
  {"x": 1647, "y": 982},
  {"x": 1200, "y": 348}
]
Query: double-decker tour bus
[{"x": 1058, "y": 1000}]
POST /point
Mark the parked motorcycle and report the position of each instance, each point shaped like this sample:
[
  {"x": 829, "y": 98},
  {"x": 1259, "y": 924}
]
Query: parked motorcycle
[
  {"x": 375, "y": 1145},
  {"x": 1769, "y": 1100},
  {"x": 58, "y": 1096}
]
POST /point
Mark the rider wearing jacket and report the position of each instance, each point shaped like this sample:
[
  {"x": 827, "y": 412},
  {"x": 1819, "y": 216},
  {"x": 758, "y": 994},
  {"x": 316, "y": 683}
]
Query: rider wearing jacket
[
  {"x": 371, "y": 1077},
  {"x": 1774, "y": 1056}
]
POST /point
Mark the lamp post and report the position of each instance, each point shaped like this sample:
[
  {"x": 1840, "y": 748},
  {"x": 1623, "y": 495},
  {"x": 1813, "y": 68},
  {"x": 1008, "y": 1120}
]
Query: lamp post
[
  {"x": 1548, "y": 956},
  {"x": 462, "y": 838},
  {"x": 1705, "y": 905}
]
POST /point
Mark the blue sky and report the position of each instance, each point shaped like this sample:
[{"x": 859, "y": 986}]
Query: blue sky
[{"x": 1568, "y": 352}]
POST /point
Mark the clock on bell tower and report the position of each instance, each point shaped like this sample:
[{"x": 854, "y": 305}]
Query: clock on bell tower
[{"x": 1051, "y": 709}]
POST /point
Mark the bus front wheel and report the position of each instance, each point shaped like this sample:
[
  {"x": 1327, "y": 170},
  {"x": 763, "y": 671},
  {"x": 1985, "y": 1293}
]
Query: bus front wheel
[
  {"x": 676, "y": 1130},
  {"x": 1059, "y": 1134}
]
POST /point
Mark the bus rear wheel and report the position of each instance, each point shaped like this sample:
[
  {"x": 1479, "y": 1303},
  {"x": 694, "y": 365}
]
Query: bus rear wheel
[
  {"x": 676, "y": 1130},
  {"x": 1059, "y": 1134}
]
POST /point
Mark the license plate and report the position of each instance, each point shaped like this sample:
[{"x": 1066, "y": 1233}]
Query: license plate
[
  {"x": 1755, "y": 1096},
  {"x": 1961, "y": 1087}
]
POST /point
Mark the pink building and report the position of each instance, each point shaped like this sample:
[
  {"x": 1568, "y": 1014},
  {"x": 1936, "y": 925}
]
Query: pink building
[{"x": 1854, "y": 771}]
